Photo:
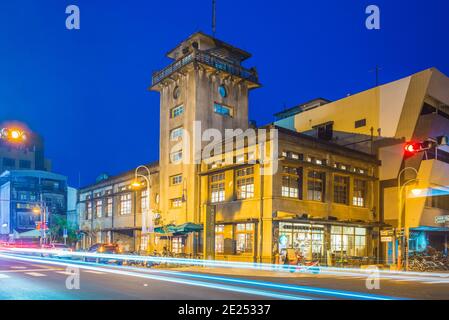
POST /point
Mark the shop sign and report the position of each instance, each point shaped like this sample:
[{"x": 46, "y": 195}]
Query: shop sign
[
  {"x": 441, "y": 219},
  {"x": 399, "y": 232},
  {"x": 386, "y": 239},
  {"x": 387, "y": 233}
]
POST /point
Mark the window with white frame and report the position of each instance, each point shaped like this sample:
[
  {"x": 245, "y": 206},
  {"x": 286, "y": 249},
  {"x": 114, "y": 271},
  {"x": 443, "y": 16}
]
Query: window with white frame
[
  {"x": 109, "y": 207},
  {"x": 175, "y": 180},
  {"x": 316, "y": 185},
  {"x": 245, "y": 183},
  {"x": 217, "y": 188},
  {"x": 176, "y": 203},
  {"x": 89, "y": 210},
  {"x": 125, "y": 204},
  {"x": 176, "y": 133},
  {"x": 219, "y": 238},
  {"x": 245, "y": 237},
  {"x": 177, "y": 111},
  {"x": 292, "y": 182},
  {"x": 359, "y": 193},
  {"x": 176, "y": 156},
  {"x": 98, "y": 208},
  {"x": 143, "y": 200}
]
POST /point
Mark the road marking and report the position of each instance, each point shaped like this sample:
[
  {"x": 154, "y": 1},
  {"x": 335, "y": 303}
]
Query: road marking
[
  {"x": 66, "y": 273},
  {"x": 29, "y": 270},
  {"x": 35, "y": 274},
  {"x": 92, "y": 271},
  {"x": 435, "y": 282},
  {"x": 18, "y": 267},
  {"x": 3, "y": 276}
]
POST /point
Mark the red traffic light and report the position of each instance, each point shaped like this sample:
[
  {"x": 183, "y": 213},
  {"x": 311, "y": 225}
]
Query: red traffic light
[{"x": 412, "y": 147}]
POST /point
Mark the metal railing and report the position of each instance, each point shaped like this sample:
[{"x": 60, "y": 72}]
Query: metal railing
[{"x": 210, "y": 60}]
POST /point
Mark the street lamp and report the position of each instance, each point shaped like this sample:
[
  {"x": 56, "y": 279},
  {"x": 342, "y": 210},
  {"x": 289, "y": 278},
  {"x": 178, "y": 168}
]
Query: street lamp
[
  {"x": 13, "y": 135},
  {"x": 40, "y": 209},
  {"x": 404, "y": 236},
  {"x": 146, "y": 227}
]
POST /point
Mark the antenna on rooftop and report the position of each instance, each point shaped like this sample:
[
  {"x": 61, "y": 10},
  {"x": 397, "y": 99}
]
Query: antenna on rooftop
[
  {"x": 214, "y": 18},
  {"x": 377, "y": 70}
]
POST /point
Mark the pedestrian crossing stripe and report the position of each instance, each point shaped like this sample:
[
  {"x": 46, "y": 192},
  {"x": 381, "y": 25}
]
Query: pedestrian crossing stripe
[
  {"x": 35, "y": 274},
  {"x": 18, "y": 267}
]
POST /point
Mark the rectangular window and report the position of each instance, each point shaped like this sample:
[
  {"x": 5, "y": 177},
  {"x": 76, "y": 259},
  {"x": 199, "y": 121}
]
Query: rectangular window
[
  {"x": 89, "y": 210},
  {"x": 125, "y": 204},
  {"x": 240, "y": 158},
  {"x": 176, "y": 133},
  {"x": 359, "y": 193},
  {"x": 222, "y": 110},
  {"x": 176, "y": 156},
  {"x": 315, "y": 185},
  {"x": 177, "y": 245},
  {"x": 143, "y": 200},
  {"x": 25, "y": 164},
  {"x": 348, "y": 241},
  {"x": 360, "y": 123},
  {"x": 98, "y": 208},
  {"x": 292, "y": 182},
  {"x": 109, "y": 207},
  {"x": 244, "y": 236},
  {"x": 217, "y": 188},
  {"x": 245, "y": 183},
  {"x": 177, "y": 111},
  {"x": 176, "y": 203},
  {"x": 325, "y": 131},
  {"x": 341, "y": 189},
  {"x": 175, "y": 180},
  {"x": 219, "y": 238},
  {"x": 8, "y": 162}
]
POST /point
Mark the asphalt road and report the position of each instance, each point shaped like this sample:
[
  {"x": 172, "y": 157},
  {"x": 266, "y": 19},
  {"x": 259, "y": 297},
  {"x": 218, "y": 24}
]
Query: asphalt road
[{"x": 29, "y": 277}]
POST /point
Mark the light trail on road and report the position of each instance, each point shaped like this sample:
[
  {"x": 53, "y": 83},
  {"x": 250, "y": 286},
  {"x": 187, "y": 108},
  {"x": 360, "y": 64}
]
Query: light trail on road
[
  {"x": 125, "y": 270},
  {"x": 243, "y": 290},
  {"x": 349, "y": 272}
]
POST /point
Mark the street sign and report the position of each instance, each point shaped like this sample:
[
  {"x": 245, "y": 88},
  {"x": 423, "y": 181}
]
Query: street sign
[
  {"x": 387, "y": 233},
  {"x": 65, "y": 233},
  {"x": 441, "y": 219},
  {"x": 399, "y": 232},
  {"x": 386, "y": 239}
]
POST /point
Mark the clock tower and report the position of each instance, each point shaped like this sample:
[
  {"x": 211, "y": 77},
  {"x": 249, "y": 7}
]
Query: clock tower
[{"x": 205, "y": 84}]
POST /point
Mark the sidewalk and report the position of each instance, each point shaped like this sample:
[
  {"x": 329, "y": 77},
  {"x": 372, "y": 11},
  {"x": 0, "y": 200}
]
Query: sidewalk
[{"x": 280, "y": 273}]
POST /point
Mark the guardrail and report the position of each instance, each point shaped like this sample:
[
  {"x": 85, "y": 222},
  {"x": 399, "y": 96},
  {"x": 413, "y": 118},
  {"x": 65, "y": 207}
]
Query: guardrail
[{"x": 210, "y": 60}]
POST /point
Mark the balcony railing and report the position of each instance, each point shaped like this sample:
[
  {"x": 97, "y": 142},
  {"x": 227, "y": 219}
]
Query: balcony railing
[{"x": 210, "y": 60}]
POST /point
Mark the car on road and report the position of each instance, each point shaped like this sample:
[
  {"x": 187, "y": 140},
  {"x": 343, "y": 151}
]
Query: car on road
[{"x": 101, "y": 248}]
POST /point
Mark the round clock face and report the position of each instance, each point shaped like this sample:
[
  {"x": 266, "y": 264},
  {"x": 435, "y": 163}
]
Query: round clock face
[
  {"x": 222, "y": 91},
  {"x": 176, "y": 93}
]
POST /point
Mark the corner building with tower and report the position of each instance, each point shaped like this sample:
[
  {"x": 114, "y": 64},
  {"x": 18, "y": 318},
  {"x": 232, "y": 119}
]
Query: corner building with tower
[{"x": 322, "y": 198}]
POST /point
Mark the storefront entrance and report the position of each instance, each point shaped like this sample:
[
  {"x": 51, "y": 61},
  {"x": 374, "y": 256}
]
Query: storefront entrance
[{"x": 306, "y": 239}]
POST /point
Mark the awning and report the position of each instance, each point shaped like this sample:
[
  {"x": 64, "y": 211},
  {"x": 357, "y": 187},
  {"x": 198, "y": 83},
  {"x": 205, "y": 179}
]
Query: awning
[{"x": 179, "y": 230}]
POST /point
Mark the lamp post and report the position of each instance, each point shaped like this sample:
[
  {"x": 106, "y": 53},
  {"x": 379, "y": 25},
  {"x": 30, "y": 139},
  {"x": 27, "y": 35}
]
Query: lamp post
[
  {"x": 146, "y": 215},
  {"x": 41, "y": 209},
  {"x": 404, "y": 237}
]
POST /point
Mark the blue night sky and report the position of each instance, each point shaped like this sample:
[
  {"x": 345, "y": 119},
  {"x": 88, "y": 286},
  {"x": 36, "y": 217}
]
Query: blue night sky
[{"x": 86, "y": 91}]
